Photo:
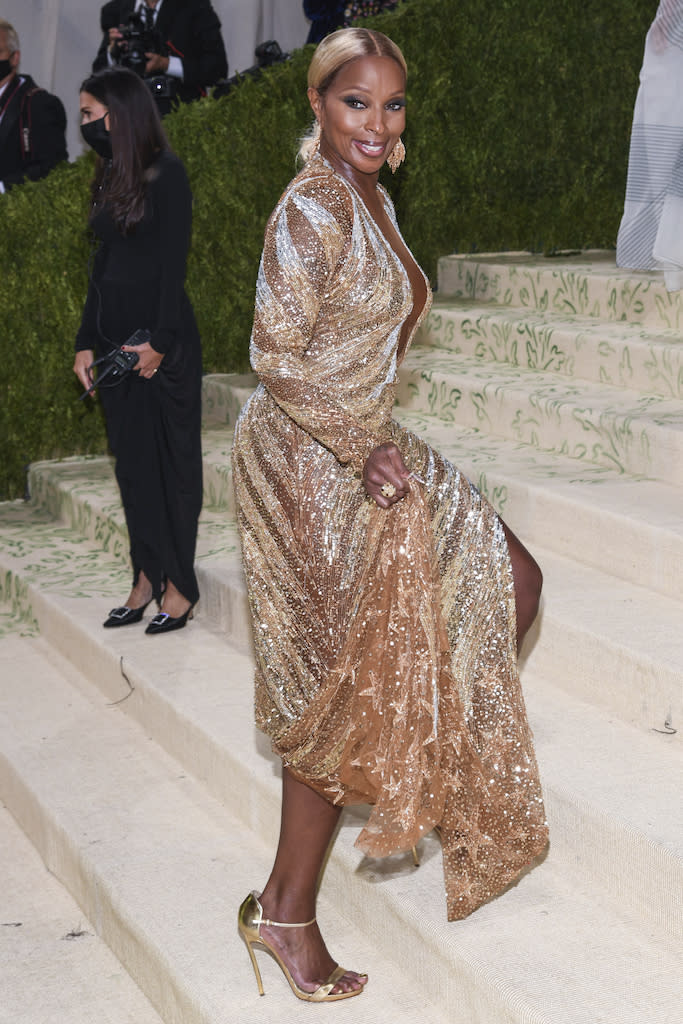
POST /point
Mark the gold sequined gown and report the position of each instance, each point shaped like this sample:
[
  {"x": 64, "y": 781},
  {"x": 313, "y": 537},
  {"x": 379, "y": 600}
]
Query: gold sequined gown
[{"x": 385, "y": 640}]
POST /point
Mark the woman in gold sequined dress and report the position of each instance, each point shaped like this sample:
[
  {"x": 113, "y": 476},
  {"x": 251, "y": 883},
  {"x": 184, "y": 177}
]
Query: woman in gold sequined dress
[{"x": 388, "y": 598}]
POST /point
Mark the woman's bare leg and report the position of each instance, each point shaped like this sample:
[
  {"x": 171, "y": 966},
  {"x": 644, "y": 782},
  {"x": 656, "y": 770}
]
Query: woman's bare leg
[
  {"x": 306, "y": 828},
  {"x": 528, "y": 583}
]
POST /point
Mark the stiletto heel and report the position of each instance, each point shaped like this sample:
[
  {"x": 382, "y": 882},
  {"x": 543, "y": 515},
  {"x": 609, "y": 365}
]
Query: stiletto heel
[
  {"x": 249, "y": 921},
  {"x": 416, "y": 856},
  {"x": 255, "y": 965}
]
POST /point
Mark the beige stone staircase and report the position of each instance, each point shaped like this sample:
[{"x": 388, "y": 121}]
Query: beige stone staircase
[{"x": 133, "y": 766}]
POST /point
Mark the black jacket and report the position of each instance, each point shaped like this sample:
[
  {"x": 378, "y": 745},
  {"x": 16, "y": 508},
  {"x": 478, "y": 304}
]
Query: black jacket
[
  {"x": 190, "y": 29},
  {"x": 32, "y": 132},
  {"x": 325, "y": 17}
]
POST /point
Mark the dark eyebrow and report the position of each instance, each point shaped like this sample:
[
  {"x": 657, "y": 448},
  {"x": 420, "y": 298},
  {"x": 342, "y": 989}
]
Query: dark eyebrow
[{"x": 368, "y": 92}]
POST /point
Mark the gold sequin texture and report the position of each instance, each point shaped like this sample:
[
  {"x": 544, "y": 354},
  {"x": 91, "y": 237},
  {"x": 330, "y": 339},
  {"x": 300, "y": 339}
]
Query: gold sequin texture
[{"x": 385, "y": 640}]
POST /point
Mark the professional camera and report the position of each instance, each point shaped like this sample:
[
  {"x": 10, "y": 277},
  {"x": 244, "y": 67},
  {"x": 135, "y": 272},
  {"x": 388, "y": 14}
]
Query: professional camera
[
  {"x": 266, "y": 54},
  {"x": 130, "y": 51},
  {"x": 137, "y": 40}
]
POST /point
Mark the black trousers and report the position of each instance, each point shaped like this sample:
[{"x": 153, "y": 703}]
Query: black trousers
[{"x": 154, "y": 431}]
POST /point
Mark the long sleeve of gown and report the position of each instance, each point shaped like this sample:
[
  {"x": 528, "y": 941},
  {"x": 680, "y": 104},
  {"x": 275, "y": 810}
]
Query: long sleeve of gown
[{"x": 307, "y": 246}]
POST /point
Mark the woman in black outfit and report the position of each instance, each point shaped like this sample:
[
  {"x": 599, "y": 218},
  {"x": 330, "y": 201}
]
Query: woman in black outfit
[{"x": 142, "y": 214}]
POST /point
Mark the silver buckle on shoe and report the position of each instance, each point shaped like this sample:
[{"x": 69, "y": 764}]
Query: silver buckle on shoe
[{"x": 119, "y": 613}]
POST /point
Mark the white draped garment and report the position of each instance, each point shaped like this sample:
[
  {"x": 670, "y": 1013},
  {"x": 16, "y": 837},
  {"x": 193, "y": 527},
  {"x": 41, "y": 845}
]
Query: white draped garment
[{"x": 651, "y": 232}]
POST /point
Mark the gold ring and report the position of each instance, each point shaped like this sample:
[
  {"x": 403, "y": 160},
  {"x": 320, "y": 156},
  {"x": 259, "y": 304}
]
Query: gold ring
[{"x": 387, "y": 489}]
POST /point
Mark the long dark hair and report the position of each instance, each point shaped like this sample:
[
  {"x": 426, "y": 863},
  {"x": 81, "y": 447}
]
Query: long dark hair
[{"x": 137, "y": 139}]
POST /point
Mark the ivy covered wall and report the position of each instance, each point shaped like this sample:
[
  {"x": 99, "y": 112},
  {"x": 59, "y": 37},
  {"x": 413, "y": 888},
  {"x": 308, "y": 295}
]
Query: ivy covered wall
[{"x": 519, "y": 118}]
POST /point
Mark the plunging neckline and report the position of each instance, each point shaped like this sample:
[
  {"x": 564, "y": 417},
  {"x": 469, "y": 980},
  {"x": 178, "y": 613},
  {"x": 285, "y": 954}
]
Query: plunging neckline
[{"x": 401, "y": 350}]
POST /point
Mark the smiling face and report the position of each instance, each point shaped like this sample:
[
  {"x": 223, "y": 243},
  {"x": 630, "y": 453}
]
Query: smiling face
[{"x": 361, "y": 115}]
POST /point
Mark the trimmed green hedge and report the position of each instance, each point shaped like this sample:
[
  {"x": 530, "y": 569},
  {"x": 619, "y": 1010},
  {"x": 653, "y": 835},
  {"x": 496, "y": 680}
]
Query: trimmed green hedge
[{"x": 518, "y": 131}]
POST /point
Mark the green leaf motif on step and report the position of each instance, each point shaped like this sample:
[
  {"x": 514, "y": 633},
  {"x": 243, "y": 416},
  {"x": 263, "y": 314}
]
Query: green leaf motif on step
[
  {"x": 662, "y": 370},
  {"x": 605, "y": 348},
  {"x": 525, "y": 427},
  {"x": 432, "y": 396},
  {"x": 480, "y": 283},
  {"x": 503, "y": 349},
  {"x": 529, "y": 296},
  {"x": 631, "y": 305},
  {"x": 481, "y": 483},
  {"x": 571, "y": 294},
  {"x": 15, "y": 595},
  {"x": 479, "y": 401},
  {"x": 443, "y": 401},
  {"x": 669, "y": 309},
  {"x": 498, "y": 496},
  {"x": 625, "y": 301},
  {"x": 617, "y": 444},
  {"x": 430, "y": 331},
  {"x": 625, "y": 367},
  {"x": 472, "y": 329},
  {"x": 541, "y": 352}
]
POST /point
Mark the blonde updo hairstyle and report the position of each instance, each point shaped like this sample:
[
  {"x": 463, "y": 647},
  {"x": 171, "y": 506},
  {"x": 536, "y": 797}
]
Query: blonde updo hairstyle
[{"x": 332, "y": 53}]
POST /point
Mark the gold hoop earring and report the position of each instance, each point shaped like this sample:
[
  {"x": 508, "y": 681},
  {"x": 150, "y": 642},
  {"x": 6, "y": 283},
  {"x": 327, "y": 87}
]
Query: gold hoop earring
[{"x": 397, "y": 156}]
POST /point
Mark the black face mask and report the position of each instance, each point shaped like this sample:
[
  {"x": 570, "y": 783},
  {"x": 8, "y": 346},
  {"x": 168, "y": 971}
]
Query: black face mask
[
  {"x": 97, "y": 137},
  {"x": 5, "y": 69}
]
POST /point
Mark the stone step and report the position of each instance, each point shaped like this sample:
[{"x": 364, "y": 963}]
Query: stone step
[
  {"x": 223, "y": 395},
  {"x": 54, "y": 966},
  {"x": 156, "y": 864},
  {"x": 63, "y": 557},
  {"x": 179, "y": 686},
  {"x": 625, "y": 431},
  {"x": 614, "y": 645},
  {"x": 629, "y": 528},
  {"x": 580, "y": 347},
  {"x": 606, "y": 629},
  {"x": 604, "y": 779},
  {"x": 105, "y": 804},
  {"x": 626, "y": 527},
  {"x": 585, "y": 283},
  {"x": 173, "y": 715}
]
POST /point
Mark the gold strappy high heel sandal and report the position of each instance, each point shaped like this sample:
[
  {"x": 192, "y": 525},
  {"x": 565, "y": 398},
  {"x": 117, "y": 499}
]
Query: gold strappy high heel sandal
[{"x": 249, "y": 923}]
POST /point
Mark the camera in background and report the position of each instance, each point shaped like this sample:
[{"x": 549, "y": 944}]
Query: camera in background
[
  {"x": 130, "y": 52},
  {"x": 266, "y": 55}
]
